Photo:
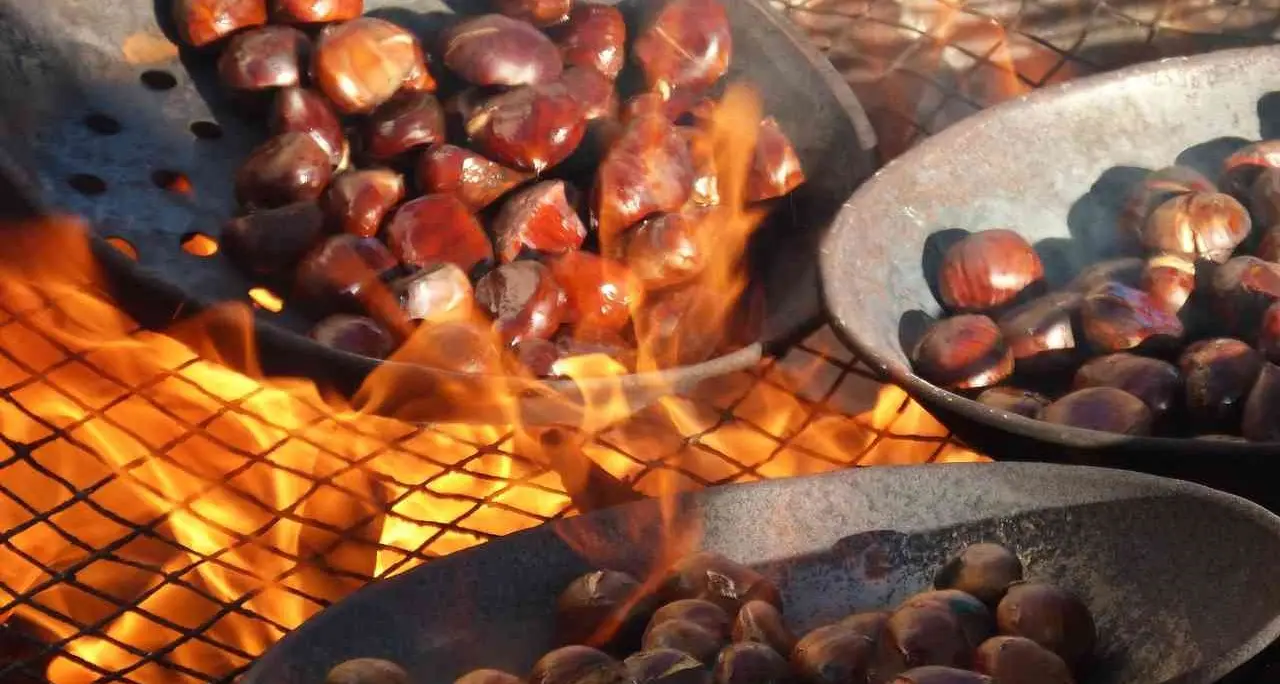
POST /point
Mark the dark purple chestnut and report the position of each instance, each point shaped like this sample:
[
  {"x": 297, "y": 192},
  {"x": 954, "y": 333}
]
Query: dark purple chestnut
[
  {"x": 1198, "y": 225},
  {"x": 1219, "y": 374},
  {"x": 1050, "y": 616},
  {"x": 937, "y": 674},
  {"x": 1041, "y": 333},
  {"x": 531, "y": 128},
  {"x": 833, "y": 654},
  {"x": 963, "y": 352},
  {"x": 987, "y": 270},
  {"x": 761, "y": 621},
  {"x": 354, "y": 334},
  {"x": 538, "y": 219},
  {"x": 595, "y": 36},
  {"x": 666, "y": 666},
  {"x": 536, "y": 12},
  {"x": 438, "y": 229},
  {"x": 1262, "y": 409},
  {"x": 458, "y": 346},
  {"x": 362, "y": 63},
  {"x": 367, "y": 671},
  {"x": 595, "y": 92},
  {"x": 409, "y": 120},
  {"x": 288, "y": 168},
  {"x": 358, "y": 201},
  {"x": 1118, "y": 318},
  {"x": 488, "y": 677},
  {"x": 523, "y": 299},
  {"x": 1157, "y": 383},
  {"x": 477, "y": 181},
  {"x": 341, "y": 271},
  {"x": 750, "y": 662},
  {"x": 973, "y": 616},
  {"x": 870, "y": 625},
  {"x": 274, "y": 240},
  {"x": 264, "y": 58},
  {"x": 298, "y": 110},
  {"x": 1105, "y": 409},
  {"x": 577, "y": 665},
  {"x": 1269, "y": 334},
  {"x": 647, "y": 171},
  {"x": 1241, "y": 169},
  {"x": 204, "y": 22},
  {"x": 712, "y": 577},
  {"x": 1264, "y": 198},
  {"x": 1154, "y": 190},
  {"x": 436, "y": 293},
  {"x": 1126, "y": 271},
  {"x": 494, "y": 50},
  {"x": 1243, "y": 289},
  {"x": 1022, "y": 402},
  {"x": 1018, "y": 660},
  {"x": 598, "y": 604},
  {"x": 1269, "y": 246},
  {"x": 688, "y": 46},
  {"x": 983, "y": 571},
  {"x": 682, "y": 635},
  {"x": 920, "y": 633},
  {"x": 666, "y": 250},
  {"x": 600, "y": 293},
  {"x": 1169, "y": 280},
  {"x": 315, "y": 11},
  {"x": 775, "y": 168},
  {"x": 705, "y": 614}
]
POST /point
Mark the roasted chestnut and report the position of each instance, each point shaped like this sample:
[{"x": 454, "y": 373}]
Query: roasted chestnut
[
  {"x": 577, "y": 665},
  {"x": 288, "y": 168},
  {"x": 688, "y": 46},
  {"x": 536, "y": 12},
  {"x": 420, "y": 79},
  {"x": 1125, "y": 271},
  {"x": 686, "y": 636},
  {"x": 706, "y": 168},
  {"x": 647, "y": 171},
  {"x": 983, "y": 571},
  {"x": 477, "y": 181},
  {"x": 1041, "y": 332},
  {"x": 963, "y": 352},
  {"x": 677, "y": 327},
  {"x": 920, "y": 633},
  {"x": 438, "y": 229},
  {"x": 357, "y": 201},
  {"x": 1269, "y": 246},
  {"x": 937, "y": 674},
  {"x": 298, "y": 110},
  {"x": 1264, "y": 197},
  {"x": 265, "y": 58},
  {"x": 775, "y": 168},
  {"x": 1219, "y": 374},
  {"x": 203, "y": 22},
  {"x": 1050, "y": 616},
  {"x": 596, "y": 605},
  {"x": 987, "y": 270},
  {"x": 1157, "y": 383},
  {"x": 595, "y": 37},
  {"x": 666, "y": 666},
  {"x": 274, "y": 240},
  {"x": 1014, "y": 400},
  {"x": 973, "y": 616},
  {"x": 538, "y": 219},
  {"x": 458, "y": 346},
  {"x": 362, "y": 63},
  {"x": 1243, "y": 289},
  {"x": 712, "y": 577},
  {"x": 1241, "y": 169},
  {"x": 600, "y": 293},
  {"x": 593, "y": 91},
  {"x": 1198, "y": 225},
  {"x": 1169, "y": 280},
  {"x": 315, "y": 11},
  {"x": 1018, "y": 660},
  {"x": 1119, "y": 318},
  {"x": 523, "y": 299},
  {"x": 531, "y": 128},
  {"x": 1154, "y": 190},
  {"x": 666, "y": 250},
  {"x": 340, "y": 271},
  {"x": 436, "y": 293},
  {"x": 705, "y": 614},
  {"x": 494, "y": 50},
  {"x": 408, "y": 120},
  {"x": 367, "y": 671},
  {"x": 486, "y": 676},
  {"x": 1262, "y": 409},
  {"x": 833, "y": 654},
  {"x": 1105, "y": 409},
  {"x": 354, "y": 334},
  {"x": 1269, "y": 334},
  {"x": 761, "y": 621},
  {"x": 750, "y": 662},
  {"x": 870, "y": 625}
]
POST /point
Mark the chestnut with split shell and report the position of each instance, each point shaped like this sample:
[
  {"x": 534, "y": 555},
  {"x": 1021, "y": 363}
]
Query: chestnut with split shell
[
  {"x": 666, "y": 666},
  {"x": 647, "y": 171},
  {"x": 496, "y": 50},
  {"x": 1118, "y": 318},
  {"x": 362, "y": 63},
  {"x": 1022, "y": 402},
  {"x": 438, "y": 229},
  {"x": 274, "y": 240},
  {"x": 987, "y": 270},
  {"x": 288, "y": 168},
  {"x": 666, "y": 250},
  {"x": 963, "y": 352},
  {"x": 1242, "y": 290},
  {"x": 477, "y": 181},
  {"x": 1219, "y": 374},
  {"x": 1041, "y": 333},
  {"x": 750, "y": 662},
  {"x": 595, "y": 37},
  {"x": 531, "y": 128},
  {"x": 713, "y": 577},
  {"x": 596, "y": 602},
  {"x": 523, "y": 300},
  {"x": 1198, "y": 225},
  {"x": 1154, "y": 190},
  {"x": 264, "y": 58},
  {"x": 536, "y": 12},
  {"x": 315, "y": 11},
  {"x": 358, "y": 201},
  {"x": 1105, "y": 409},
  {"x": 298, "y": 110},
  {"x": 577, "y": 665},
  {"x": 1051, "y": 616},
  {"x": 775, "y": 167},
  {"x": 688, "y": 45},
  {"x": 538, "y": 219},
  {"x": 1157, "y": 383},
  {"x": 354, "y": 334},
  {"x": 1170, "y": 281},
  {"x": 204, "y": 22},
  {"x": 762, "y": 622},
  {"x": 408, "y": 120},
  {"x": 833, "y": 654}
]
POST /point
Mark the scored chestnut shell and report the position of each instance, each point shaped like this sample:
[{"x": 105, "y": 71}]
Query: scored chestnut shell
[
  {"x": 298, "y": 110},
  {"x": 367, "y": 671},
  {"x": 647, "y": 171},
  {"x": 1262, "y": 409},
  {"x": 538, "y": 219},
  {"x": 762, "y": 622},
  {"x": 963, "y": 352},
  {"x": 1105, "y": 409},
  {"x": 600, "y": 293},
  {"x": 775, "y": 168},
  {"x": 357, "y": 201},
  {"x": 984, "y": 571},
  {"x": 536, "y": 12},
  {"x": 1219, "y": 374},
  {"x": 704, "y": 614},
  {"x": 595, "y": 36},
  {"x": 833, "y": 654},
  {"x": 487, "y": 676},
  {"x": 408, "y": 120},
  {"x": 987, "y": 270},
  {"x": 523, "y": 299},
  {"x": 1157, "y": 383},
  {"x": 274, "y": 240},
  {"x": 577, "y": 665},
  {"x": 203, "y": 22},
  {"x": 596, "y": 604},
  {"x": 1050, "y": 616},
  {"x": 1018, "y": 660},
  {"x": 686, "y": 636},
  {"x": 494, "y": 50},
  {"x": 713, "y": 577},
  {"x": 1022, "y": 402},
  {"x": 666, "y": 250},
  {"x": 1198, "y": 225},
  {"x": 531, "y": 128},
  {"x": 439, "y": 293},
  {"x": 1169, "y": 280},
  {"x": 1269, "y": 334},
  {"x": 1041, "y": 333},
  {"x": 1241, "y": 169},
  {"x": 291, "y": 167},
  {"x": 1118, "y": 318},
  {"x": 1154, "y": 190},
  {"x": 1243, "y": 289},
  {"x": 476, "y": 181},
  {"x": 688, "y": 45},
  {"x": 749, "y": 662},
  {"x": 362, "y": 63},
  {"x": 666, "y": 666},
  {"x": 264, "y": 58},
  {"x": 438, "y": 229},
  {"x": 354, "y": 334}
]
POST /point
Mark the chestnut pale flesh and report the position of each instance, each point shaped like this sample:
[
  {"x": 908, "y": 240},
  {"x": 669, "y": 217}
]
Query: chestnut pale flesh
[
  {"x": 437, "y": 293},
  {"x": 595, "y": 37},
  {"x": 1105, "y": 409},
  {"x": 358, "y": 201},
  {"x": 1022, "y": 402},
  {"x": 438, "y": 229},
  {"x": 298, "y": 110},
  {"x": 984, "y": 571},
  {"x": 264, "y": 58},
  {"x": 1169, "y": 280},
  {"x": 538, "y": 219},
  {"x": 476, "y": 181},
  {"x": 274, "y": 240},
  {"x": 963, "y": 352},
  {"x": 688, "y": 45},
  {"x": 987, "y": 270},
  {"x": 523, "y": 299},
  {"x": 288, "y": 168},
  {"x": 408, "y": 120},
  {"x": 1050, "y": 616},
  {"x": 1219, "y": 373},
  {"x": 203, "y": 22},
  {"x": 362, "y": 63},
  {"x": 354, "y": 334},
  {"x": 496, "y": 50},
  {"x": 532, "y": 128},
  {"x": 1157, "y": 383}
]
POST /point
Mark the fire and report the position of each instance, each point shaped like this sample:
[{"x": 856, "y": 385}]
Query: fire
[{"x": 171, "y": 513}]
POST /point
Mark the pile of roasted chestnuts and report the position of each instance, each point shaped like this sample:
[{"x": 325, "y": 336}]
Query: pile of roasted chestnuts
[
  {"x": 1181, "y": 341},
  {"x": 494, "y": 175},
  {"x": 714, "y": 621}
]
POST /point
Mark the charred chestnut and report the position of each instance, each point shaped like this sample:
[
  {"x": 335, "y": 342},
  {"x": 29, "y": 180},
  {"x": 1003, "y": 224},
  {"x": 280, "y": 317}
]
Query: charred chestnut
[
  {"x": 1241, "y": 169},
  {"x": 688, "y": 46},
  {"x": 408, "y": 120},
  {"x": 666, "y": 250},
  {"x": 987, "y": 270},
  {"x": 682, "y": 635},
  {"x": 437, "y": 293},
  {"x": 937, "y": 674},
  {"x": 477, "y": 181},
  {"x": 203, "y": 22},
  {"x": 1262, "y": 408},
  {"x": 963, "y": 352},
  {"x": 595, "y": 37},
  {"x": 1118, "y": 318},
  {"x": 264, "y": 58},
  {"x": 1014, "y": 400},
  {"x": 666, "y": 666},
  {"x": 340, "y": 271},
  {"x": 1050, "y": 616},
  {"x": 354, "y": 334},
  {"x": 274, "y": 240},
  {"x": 485, "y": 676},
  {"x": 750, "y": 662},
  {"x": 297, "y": 110},
  {"x": 536, "y": 12},
  {"x": 1041, "y": 333},
  {"x": 357, "y": 201},
  {"x": 594, "y": 606},
  {"x": 1198, "y": 225},
  {"x": 762, "y": 622},
  {"x": 983, "y": 571},
  {"x": 523, "y": 299},
  {"x": 577, "y": 665},
  {"x": 1158, "y": 187},
  {"x": 438, "y": 229},
  {"x": 600, "y": 292},
  {"x": 712, "y": 577},
  {"x": 362, "y": 63},
  {"x": 1219, "y": 375},
  {"x": 1105, "y": 409},
  {"x": 1018, "y": 660},
  {"x": 832, "y": 655},
  {"x": 647, "y": 171},
  {"x": 494, "y": 50},
  {"x": 288, "y": 168},
  {"x": 1169, "y": 280},
  {"x": 1243, "y": 289},
  {"x": 1157, "y": 383},
  {"x": 540, "y": 220},
  {"x": 531, "y": 128},
  {"x": 775, "y": 168}
]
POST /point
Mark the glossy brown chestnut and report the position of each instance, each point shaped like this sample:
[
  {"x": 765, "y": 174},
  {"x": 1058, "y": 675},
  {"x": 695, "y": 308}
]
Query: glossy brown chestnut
[
  {"x": 1157, "y": 383},
  {"x": 666, "y": 250},
  {"x": 647, "y": 171},
  {"x": 486, "y": 676},
  {"x": 712, "y": 577},
  {"x": 477, "y": 181},
  {"x": 1041, "y": 333},
  {"x": 420, "y": 79},
  {"x": 705, "y": 614},
  {"x": 750, "y": 662},
  {"x": 1219, "y": 374},
  {"x": 1125, "y": 271},
  {"x": 291, "y": 167},
  {"x": 458, "y": 346},
  {"x": 833, "y": 654},
  {"x": 1169, "y": 280},
  {"x": 983, "y": 571},
  {"x": 596, "y": 604},
  {"x": 1241, "y": 169},
  {"x": 974, "y": 617},
  {"x": 963, "y": 352},
  {"x": 340, "y": 271},
  {"x": 987, "y": 270},
  {"x": 523, "y": 300},
  {"x": 538, "y": 219},
  {"x": 362, "y": 63},
  {"x": 577, "y": 665},
  {"x": 494, "y": 50},
  {"x": 437, "y": 293},
  {"x": 367, "y": 671},
  {"x": 1118, "y": 318},
  {"x": 686, "y": 636},
  {"x": 203, "y": 22},
  {"x": 536, "y": 12},
  {"x": 1050, "y": 616},
  {"x": 762, "y": 622},
  {"x": 274, "y": 240},
  {"x": 1243, "y": 289},
  {"x": 354, "y": 334},
  {"x": 921, "y": 633},
  {"x": 531, "y": 128},
  {"x": 1022, "y": 402},
  {"x": 775, "y": 168},
  {"x": 1262, "y": 409},
  {"x": 687, "y": 46},
  {"x": 1154, "y": 190},
  {"x": 298, "y": 110},
  {"x": 1269, "y": 334},
  {"x": 265, "y": 58},
  {"x": 1198, "y": 225},
  {"x": 438, "y": 229},
  {"x": 357, "y": 201},
  {"x": 1105, "y": 409},
  {"x": 1018, "y": 660},
  {"x": 410, "y": 119},
  {"x": 600, "y": 293},
  {"x": 594, "y": 91},
  {"x": 666, "y": 666},
  {"x": 595, "y": 37},
  {"x": 937, "y": 674}
]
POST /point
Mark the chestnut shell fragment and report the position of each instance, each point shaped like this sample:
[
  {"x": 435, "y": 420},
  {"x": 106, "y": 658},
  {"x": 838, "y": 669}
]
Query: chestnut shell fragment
[
  {"x": 963, "y": 352},
  {"x": 595, "y": 37},
  {"x": 477, "y": 181},
  {"x": 1154, "y": 190},
  {"x": 1219, "y": 374},
  {"x": 1050, "y": 616},
  {"x": 687, "y": 46},
  {"x": 987, "y": 270},
  {"x": 1157, "y": 383},
  {"x": 438, "y": 229},
  {"x": 362, "y": 63},
  {"x": 523, "y": 299},
  {"x": 495, "y": 50},
  {"x": 1105, "y": 409},
  {"x": 265, "y": 58},
  {"x": 203, "y": 22}
]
